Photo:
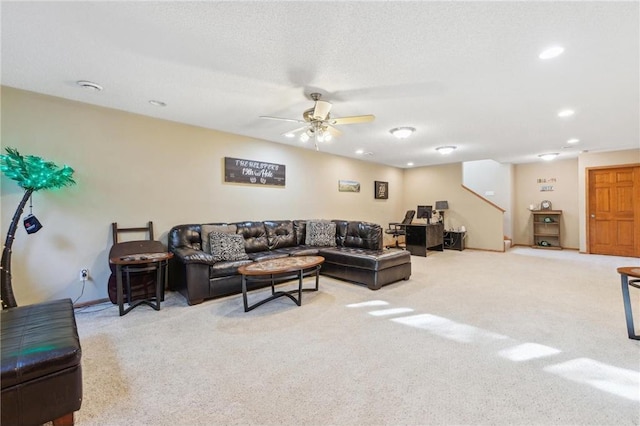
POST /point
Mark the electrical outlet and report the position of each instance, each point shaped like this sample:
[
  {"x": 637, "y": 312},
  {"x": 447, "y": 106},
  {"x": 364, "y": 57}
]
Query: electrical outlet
[{"x": 84, "y": 274}]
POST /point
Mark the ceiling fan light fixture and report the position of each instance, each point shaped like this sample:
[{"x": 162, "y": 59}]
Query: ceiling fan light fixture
[
  {"x": 402, "y": 132},
  {"x": 548, "y": 156},
  {"x": 304, "y": 137},
  {"x": 444, "y": 150}
]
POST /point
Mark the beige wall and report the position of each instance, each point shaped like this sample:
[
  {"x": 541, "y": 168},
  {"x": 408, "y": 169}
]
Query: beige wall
[
  {"x": 484, "y": 222},
  {"x": 597, "y": 159},
  {"x": 563, "y": 197},
  {"x": 131, "y": 169}
]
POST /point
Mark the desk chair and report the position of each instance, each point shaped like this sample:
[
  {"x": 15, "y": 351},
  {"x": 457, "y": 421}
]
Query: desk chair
[
  {"x": 398, "y": 229},
  {"x": 140, "y": 285}
]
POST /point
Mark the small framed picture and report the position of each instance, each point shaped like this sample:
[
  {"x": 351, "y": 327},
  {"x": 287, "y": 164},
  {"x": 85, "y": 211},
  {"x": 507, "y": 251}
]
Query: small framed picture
[
  {"x": 348, "y": 186},
  {"x": 381, "y": 190}
]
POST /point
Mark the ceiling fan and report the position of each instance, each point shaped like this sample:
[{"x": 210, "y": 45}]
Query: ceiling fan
[{"x": 318, "y": 123}]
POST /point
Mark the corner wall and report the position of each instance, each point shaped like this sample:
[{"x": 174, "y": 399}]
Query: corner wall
[
  {"x": 484, "y": 222},
  {"x": 562, "y": 177}
]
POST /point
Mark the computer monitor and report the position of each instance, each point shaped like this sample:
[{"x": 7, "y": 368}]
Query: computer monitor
[{"x": 424, "y": 212}]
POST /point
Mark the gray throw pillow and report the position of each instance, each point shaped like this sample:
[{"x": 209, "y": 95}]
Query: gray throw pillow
[
  {"x": 321, "y": 234},
  {"x": 205, "y": 230},
  {"x": 227, "y": 246}
]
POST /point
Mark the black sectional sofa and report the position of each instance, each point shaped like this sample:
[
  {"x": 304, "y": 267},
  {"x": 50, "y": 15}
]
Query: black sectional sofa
[{"x": 358, "y": 255}]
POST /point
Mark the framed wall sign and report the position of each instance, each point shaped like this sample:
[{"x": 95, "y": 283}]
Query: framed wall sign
[
  {"x": 381, "y": 190},
  {"x": 253, "y": 172}
]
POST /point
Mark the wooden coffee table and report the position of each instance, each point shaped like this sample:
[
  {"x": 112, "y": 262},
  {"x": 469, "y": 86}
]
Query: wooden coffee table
[{"x": 292, "y": 267}]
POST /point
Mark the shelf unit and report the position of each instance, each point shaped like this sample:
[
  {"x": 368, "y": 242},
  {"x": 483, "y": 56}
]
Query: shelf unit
[{"x": 546, "y": 229}]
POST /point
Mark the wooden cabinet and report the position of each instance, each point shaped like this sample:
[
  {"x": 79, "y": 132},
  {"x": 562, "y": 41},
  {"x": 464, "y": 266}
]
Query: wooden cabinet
[{"x": 546, "y": 229}]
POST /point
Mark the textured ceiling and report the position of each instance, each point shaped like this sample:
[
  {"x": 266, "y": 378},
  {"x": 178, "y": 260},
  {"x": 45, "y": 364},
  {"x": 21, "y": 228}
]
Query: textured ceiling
[{"x": 462, "y": 73}]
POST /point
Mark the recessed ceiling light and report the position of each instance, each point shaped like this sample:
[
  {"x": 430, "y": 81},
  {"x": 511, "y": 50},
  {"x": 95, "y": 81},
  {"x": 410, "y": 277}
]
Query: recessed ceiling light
[
  {"x": 402, "y": 132},
  {"x": 444, "y": 150},
  {"x": 409, "y": 164},
  {"x": 360, "y": 151},
  {"x": 157, "y": 103},
  {"x": 551, "y": 52},
  {"x": 573, "y": 141},
  {"x": 89, "y": 85},
  {"x": 549, "y": 156},
  {"x": 566, "y": 113}
]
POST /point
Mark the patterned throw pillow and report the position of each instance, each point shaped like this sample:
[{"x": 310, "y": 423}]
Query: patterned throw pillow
[
  {"x": 227, "y": 246},
  {"x": 321, "y": 234},
  {"x": 205, "y": 230}
]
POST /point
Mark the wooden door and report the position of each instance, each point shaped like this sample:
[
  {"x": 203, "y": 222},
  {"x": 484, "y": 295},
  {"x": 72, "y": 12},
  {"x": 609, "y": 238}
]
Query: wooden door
[{"x": 614, "y": 211}]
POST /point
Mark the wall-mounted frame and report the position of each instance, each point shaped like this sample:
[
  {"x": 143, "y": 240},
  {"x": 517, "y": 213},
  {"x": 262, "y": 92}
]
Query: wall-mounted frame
[
  {"x": 253, "y": 172},
  {"x": 348, "y": 186},
  {"x": 381, "y": 190}
]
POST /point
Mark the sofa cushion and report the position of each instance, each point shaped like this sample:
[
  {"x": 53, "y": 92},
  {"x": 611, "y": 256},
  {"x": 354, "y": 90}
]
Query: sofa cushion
[
  {"x": 363, "y": 235},
  {"x": 299, "y": 227},
  {"x": 226, "y": 246},
  {"x": 374, "y": 260},
  {"x": 321, "y": 234},
  {"x": 299, "y": 251},
  {"x": 280, "y": 233},
  {"x": 206, "y": 229},
  {"x": 341, "y": 231},
  {"x": 226, "y": 268},
  {"x": 255, "y": 236},
  {"x": 267, "y": 255}
]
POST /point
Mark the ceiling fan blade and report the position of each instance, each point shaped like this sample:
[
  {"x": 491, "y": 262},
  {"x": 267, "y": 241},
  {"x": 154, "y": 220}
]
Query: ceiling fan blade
[
  {"x": 352, "y": 120},
  {"x": 321, "y": 110},
  {"x": 295, "y": 130},
  {"x": 282, "y": 119},
  {"x": 333, "y": 131}
]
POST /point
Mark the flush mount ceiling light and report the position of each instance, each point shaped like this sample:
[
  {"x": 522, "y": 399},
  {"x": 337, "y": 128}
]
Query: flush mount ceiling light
[
  {"x": 89, "y": 85},
  {"x": 551, "y": 52},
  {"x": 566, "y": 113},
  {"x": 360, "y": 151},
  {"x": 409, "y": 164},
  {"x": 402, "y": 132},
  {"x": 549, "y": 156},
  {"x": 157, "y": 103},
  {"x": 444, "y": 150},
  {"x": 573, "y": 141}
]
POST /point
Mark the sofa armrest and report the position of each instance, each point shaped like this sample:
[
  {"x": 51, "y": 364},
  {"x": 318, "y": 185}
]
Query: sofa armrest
[{"x": 188, "y": 255}]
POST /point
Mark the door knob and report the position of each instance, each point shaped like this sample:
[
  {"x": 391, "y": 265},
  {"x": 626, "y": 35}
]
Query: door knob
[{"x": 593, "y": 216}]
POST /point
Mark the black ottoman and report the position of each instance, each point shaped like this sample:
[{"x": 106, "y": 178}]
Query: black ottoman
[
  {"x": 373, "y": 268},
  {"x": 41, "y": 373}
]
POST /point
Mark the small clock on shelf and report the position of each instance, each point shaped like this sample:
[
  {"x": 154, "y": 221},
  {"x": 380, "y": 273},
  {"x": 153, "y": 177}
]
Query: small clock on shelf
[{"x": 545, "y": 205}]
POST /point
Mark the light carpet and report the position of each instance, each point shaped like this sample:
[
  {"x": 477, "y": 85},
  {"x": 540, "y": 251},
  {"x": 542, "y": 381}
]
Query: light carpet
[{"x": 522, "y": 337}]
